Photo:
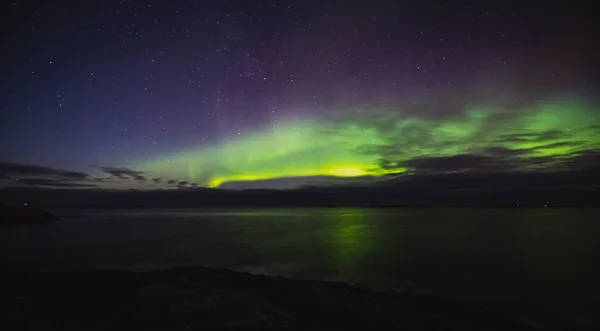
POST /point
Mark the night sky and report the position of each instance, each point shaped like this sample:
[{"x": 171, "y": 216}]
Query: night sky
[{"x": 281, "y": 94}]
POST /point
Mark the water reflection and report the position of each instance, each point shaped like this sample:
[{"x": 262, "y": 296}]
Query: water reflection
[{"x": 350, "y": 240}]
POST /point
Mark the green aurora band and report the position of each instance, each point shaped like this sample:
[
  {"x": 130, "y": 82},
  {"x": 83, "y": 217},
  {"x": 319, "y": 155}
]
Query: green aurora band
[{"x": 379, "y": 142}]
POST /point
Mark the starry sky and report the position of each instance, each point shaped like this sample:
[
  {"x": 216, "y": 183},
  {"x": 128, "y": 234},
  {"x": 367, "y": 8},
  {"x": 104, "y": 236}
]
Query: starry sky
[{"x": 283, "y": 94}]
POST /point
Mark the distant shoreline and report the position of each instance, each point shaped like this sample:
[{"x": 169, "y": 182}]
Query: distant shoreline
[
  {"x": 53, "y": 209},
  {"x": 331, "y": 198}
]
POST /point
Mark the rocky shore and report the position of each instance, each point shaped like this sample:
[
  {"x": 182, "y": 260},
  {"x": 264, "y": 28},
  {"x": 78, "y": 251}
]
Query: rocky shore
[{"x": 198, "y": 298}]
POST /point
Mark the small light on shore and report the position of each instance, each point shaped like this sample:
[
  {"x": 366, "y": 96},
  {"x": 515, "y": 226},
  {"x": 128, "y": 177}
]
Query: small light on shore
[{"x": 25, "y": 204}]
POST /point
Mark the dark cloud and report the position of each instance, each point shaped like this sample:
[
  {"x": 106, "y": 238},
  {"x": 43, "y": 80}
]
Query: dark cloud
[
  {"x": 503, "y": 152},
  {"x": 185, "y": 185},
  {"x": 50, "y": 182},
  {"x": 463, "y": 162},
  {"x": 16, "y": 169},
  {"x": 532, "y": 137},
  {"x": 156, "y": 180},
  {"x": 388, "y": 164},
  {"x": 290, "y": 183},
  {"x": 124, "y": 173},
  {"x": 485, "y": 181},
  {"x": 586, "y": 160},
  {"x": 502, "y": 159},
  {"x": 558, "y": 144},
  {"x": 541, "y": 163},
  {"x": 171, "y": 181},
  {"x": 276, "y": 183},
  {"x": 34, "y": 175},
  {"x": 102, "y": 179},
  {"x": 500, "y": 151}
]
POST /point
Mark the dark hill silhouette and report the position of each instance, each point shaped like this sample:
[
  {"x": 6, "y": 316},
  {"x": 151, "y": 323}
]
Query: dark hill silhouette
[
  {"x": 308, "y": 197},
  {"x": 575, "y": 188},
  {"x": 24, "y": 215}
]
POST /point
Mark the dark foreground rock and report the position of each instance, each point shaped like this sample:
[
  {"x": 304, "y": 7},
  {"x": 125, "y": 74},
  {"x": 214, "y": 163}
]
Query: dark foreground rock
[
  {"x": 24, "y": 215},
  {"x": 209, "y": 299}
]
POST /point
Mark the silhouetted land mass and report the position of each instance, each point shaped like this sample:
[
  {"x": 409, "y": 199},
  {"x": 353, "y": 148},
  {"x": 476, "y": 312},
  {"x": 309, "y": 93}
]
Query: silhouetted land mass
[
  {"x": 308, "y": 197},
  {"x": 195, "y": 298},
  {"x": 565, "y": 188},
  {"x": 24, "y": 215}
]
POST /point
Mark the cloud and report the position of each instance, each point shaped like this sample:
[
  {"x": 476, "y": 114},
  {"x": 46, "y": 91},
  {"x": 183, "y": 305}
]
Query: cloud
[
  {"x": 156, "y": 180},
  {"x": 558, "y": 144},
  {"x": 51, "y": 182},
  {"x": 586, "y": 160},
  {"x": 171, "y": 181},
  {"x": 17, "y": 169},
  {"x": 124, "y": 173},
  {"x": 501, "y": 159},
  {"x": 102, "y": 179},
  {"x": 34, "y": 175},
  {"x": 485, "y": 181},
  {"x": 503, "y": 152},
  {"x": 532, "y": 136},
  {"x": 463, "y": 162}
]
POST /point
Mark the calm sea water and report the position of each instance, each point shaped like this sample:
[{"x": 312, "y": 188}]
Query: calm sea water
[{"x": 543, "y": 257}]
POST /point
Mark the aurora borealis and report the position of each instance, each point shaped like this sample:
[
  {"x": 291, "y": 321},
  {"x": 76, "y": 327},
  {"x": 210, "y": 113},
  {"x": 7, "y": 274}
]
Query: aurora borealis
[
  {"x": 284, "y": 94},
  {"x": 385, "y": 142}
]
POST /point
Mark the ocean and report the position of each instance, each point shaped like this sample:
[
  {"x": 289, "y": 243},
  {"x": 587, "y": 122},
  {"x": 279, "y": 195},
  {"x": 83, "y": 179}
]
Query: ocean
[{"x": 544, "y": 259}]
